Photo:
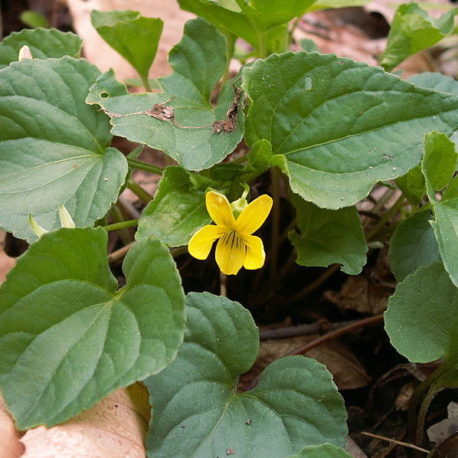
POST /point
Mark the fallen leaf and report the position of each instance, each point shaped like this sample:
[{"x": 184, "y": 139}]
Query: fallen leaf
[
  {"x": 114, "y": 428},
  {"x": 348, "y": 373}
]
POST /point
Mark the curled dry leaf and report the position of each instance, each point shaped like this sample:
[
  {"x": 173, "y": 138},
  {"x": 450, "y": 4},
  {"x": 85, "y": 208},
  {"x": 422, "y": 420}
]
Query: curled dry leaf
[{"x": 115, "y": 427}]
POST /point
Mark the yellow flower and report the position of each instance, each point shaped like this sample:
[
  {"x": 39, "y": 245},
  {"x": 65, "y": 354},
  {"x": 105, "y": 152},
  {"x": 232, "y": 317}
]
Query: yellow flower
[{"x": 236, "y": 246}]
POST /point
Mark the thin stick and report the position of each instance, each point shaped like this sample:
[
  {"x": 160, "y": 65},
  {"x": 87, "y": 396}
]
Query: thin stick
[
  {"x": 303, "y": 329},
  {"x": 316, "y": 283},
  {"x": 337, "y": 333},
  {"x": 118, "y": 255},
  {"x": 394, "y": 441}
]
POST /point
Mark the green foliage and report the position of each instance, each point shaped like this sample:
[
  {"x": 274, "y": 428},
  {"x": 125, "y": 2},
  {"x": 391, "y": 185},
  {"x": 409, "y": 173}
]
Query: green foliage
[
  {"x": 329, "y": 130},
  {"x": 68, "y": 338},
  {"x": 180, "y": 120},
  {"x": 321, "y": 451},
  {"x": 177, "y": 211},
  {"x": 412, "y": 31},
  {"x": 198, "y": 411},
  {"x": 260, "y": 22},
  {"x": 412, "y": 184},
  {"x": 422, "y": 315},
  {"x": 34, "y": 19},
  {"x": 43, "y": 43},
  {"x": 133, "y": 36},
  {"x": 328, "y": 237},
  {"x": 325, "y": 4},
  {"x": 61, "y": 157},
  {"x": 436, "y": 81},
  {"x": 438, "y": 167},
  {"x": 413, "y": 245}
]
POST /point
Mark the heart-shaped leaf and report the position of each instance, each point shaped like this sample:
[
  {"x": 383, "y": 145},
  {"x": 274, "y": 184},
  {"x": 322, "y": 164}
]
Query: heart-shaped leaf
[
  {"x": 338, "y": 126},
  {"x": 198, "y": 411},
  {"x": 424, "y": 310},
  {"x": 133, "y": 36},
  {"x": 43, "y": 43},
  {"x": 177, "y": 211},
  {"x": 328, "y": 237},
  {"x": 68, "y": 338},
  {"x": 53, "y": 146},
  {"x": 413, "y": 245},
  {"x": 181, "y": 121}
]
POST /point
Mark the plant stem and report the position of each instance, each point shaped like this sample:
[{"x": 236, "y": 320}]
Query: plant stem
[
  {"x": 275, "y": 234},
  {"x": 316, "y": 283},
  {"x": 118, "y": 217},
  {"x": 121, "y": 225},
  {"x": 145, "y": 82},
  {"x": 139, "y": 191},
  {"x": 136, "y": 164},
  {"x": 386, "y": 217}
]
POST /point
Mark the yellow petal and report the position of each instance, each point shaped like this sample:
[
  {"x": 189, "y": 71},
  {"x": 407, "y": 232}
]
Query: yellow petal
[
  {"x": 255, "y": 255},
  {"x": 254, "y": 215},
  {"x": 201, "y": 242},
  {"x": 219, "y": 209},
  {"x": 230, "y": 253}
]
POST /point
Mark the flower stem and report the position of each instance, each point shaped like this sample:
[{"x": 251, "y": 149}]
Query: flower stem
[
  {"x": 136, "y": 164},
  {"x": 386, "y": 216},
  {"x": 121, "y": 225},
  {"x": 145, "y": 82},
  {"x": 139, "y": 191},
  {"x": 275, "y": 234}
]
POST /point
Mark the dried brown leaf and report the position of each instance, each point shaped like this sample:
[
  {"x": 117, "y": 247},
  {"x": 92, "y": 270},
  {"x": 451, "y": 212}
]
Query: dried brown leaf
[{"x": 115, "y": 427}]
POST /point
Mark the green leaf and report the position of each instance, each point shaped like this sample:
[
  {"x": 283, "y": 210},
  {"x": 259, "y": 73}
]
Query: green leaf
[
  {"x": 422, "y": 315},
  {"x": 198, "y": 411},
  {"x": 439, "y": 161},
  {"x": 338, "y": 126},
  {"x": 321, "y": 451},
  {"x": 438, "y": 167},
  {"x": 53, "y": 147},
  {"x": 413, "y": 245},
  {"x": 133, "y": 36},
  {"x": 43, "y": 43},
  {"x": 230, "y": 20},
  {"x": 177, "y": 211},
  {"x": 68, "y": 338},
  {"x": 413, "y": 30},
  {"x": 326, "y": 4},
  {"x": 179, "y": 121},
  {"x": 34, "y": 19},
  {"x": 328, "y": 237},
  {"x": 251, "y": 20},
  {"x": 412, "y": 184},
  {"x": 260, "y": 156},
  {"x": 436, "y": 81}
]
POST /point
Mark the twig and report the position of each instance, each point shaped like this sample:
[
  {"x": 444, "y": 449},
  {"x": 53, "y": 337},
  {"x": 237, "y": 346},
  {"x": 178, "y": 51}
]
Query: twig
[
  {"x": 316, "y": 283},
  {"x": 118, "y": 255},
  {"x": 394, "y": 441},
  {"x": 335, "y": 334},
  {"x": 222, "y": 284},
  {"x": 304, "y": 329}
]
